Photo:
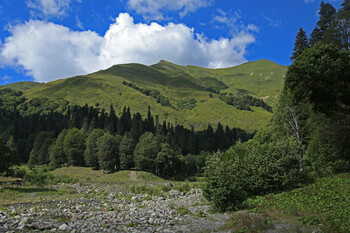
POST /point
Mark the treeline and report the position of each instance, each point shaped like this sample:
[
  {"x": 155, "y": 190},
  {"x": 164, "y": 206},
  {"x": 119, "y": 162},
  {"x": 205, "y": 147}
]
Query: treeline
[
  {"x": 58, "y": 133},
  {"x": 309, "y": 134},
  {"x": 244, "y": 102},
  {"x": 155, "y": 94}
]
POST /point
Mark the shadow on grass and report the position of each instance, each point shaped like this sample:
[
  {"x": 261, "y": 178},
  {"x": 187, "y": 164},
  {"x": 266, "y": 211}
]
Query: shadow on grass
[{"x": 30, "y": 190}]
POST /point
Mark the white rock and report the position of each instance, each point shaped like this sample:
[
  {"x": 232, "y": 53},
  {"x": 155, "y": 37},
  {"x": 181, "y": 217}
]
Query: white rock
[{"x": 63, "y": 227}]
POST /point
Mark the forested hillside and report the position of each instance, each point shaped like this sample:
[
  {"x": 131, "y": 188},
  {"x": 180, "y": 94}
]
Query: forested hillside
[
  {"x": 43, "y": 132},
  {"x": 186, "y": 95}
]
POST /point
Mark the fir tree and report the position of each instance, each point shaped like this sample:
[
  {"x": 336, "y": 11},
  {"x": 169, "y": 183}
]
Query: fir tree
[{"x": 301, "y": 43}]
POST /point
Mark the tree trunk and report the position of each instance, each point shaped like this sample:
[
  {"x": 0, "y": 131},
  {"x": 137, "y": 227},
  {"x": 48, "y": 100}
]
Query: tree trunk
[{"x": 294, "y": 129}]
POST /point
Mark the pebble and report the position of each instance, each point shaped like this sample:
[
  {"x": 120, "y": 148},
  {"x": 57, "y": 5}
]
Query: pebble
[{"x": 101, "y": 208}]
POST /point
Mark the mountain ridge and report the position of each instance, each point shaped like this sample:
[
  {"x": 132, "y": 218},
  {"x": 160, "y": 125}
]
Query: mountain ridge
[{"x": 261, "y": 79}]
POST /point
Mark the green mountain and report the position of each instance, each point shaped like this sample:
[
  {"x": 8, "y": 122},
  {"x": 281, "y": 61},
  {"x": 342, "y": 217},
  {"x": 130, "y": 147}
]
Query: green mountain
[
  {"x": 21, "y": 86},
  {"x": 191, "y": 92}
]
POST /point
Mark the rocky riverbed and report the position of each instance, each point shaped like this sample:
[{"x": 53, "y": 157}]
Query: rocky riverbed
[{"x": 107, "y": 208}]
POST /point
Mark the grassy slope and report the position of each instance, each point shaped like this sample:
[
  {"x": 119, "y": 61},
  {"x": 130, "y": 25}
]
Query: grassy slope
[
  {"x": 175, "y": 82},
  {"x": 21, "y": 85},
  {"x": 325, "y": 202},
  {"x": 85, "y": 173}
]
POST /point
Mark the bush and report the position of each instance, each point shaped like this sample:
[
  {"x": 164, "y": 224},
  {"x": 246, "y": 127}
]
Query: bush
[
  {"x": 20, "y": 172},
  {"x": 251, "y": 169},
  {"x": 42, "y": 177}
]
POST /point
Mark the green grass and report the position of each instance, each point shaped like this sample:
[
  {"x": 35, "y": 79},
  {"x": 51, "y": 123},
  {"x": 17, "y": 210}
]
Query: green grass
[
  {"x": 21, "y": 86},
  {"x": 327, "y": 201},
  {"x": 11, "y": 195},
  {"x": 261, "y": 79},
  {"x": 90, "y": 175}
]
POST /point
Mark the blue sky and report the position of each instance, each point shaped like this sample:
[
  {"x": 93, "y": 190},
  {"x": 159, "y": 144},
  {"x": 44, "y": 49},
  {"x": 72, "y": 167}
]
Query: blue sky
[{"x": 45, "y": 40}]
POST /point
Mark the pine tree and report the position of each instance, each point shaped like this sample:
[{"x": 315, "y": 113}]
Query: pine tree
[
  {"x": 346, "y": 5},
  {"x": 326, "y": 12},
  {"x": 301, "y": 43},
  {"x": 341, "y": 26}
]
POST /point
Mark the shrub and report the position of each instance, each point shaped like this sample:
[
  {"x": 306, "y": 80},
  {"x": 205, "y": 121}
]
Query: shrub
[
  {"x": 251, "y": 169},
  {"x": 19, "y": 172}
]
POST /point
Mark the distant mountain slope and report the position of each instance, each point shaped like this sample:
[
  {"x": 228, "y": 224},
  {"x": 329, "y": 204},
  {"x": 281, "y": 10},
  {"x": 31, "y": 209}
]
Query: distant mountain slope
[
  {"x": 21, "y": 85},
  {"x": 180, "y": 84}
]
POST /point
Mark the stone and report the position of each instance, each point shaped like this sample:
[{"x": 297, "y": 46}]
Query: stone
[
  {"x": 24, "y": 221},
  {"x": 63, "y": 227}
]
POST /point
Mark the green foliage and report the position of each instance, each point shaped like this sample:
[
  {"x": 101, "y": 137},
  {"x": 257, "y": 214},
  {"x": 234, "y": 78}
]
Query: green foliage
[
  {"x": 146, "y": 151},
  {"x": 20, "y": 172},
  {"x": 56, "y": 151},
  {"x": 187, "y": 104},
  {"x": 38, "y": 154},
  {"x": 321, "y": 76},
  {"x": 74, "y": 145},
  {"x": 155, "y": 94},
  {"x": 41, "y": 177},
  {"x": 146, "y": 189},
  {"x": 301, "y": 43},
  {"x": 326, "y": 201},
  {"x": 167, "y": 161},
  {"x": 183, "y": 211},
  {"x": 107, "y": 152},
  {"x": 126, "y": 153},
  {"x": 251, "y": 169},
  {"x": 243, "y": 102},
  {"x": 90, "y": 153},
  {"x": 3, "y": 151}
]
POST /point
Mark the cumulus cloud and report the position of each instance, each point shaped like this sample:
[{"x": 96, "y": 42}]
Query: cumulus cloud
[
  {"x": 48, "y": 8},
  {"x": 48, "y": 51},
  {"x": 151, "y": 9}
]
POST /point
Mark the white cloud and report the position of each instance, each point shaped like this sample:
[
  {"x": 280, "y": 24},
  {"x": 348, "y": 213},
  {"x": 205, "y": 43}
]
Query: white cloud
[
  {"x": 151, "y": 9},
  {"x": 272, "y": 22},
  {"x": 308, "y": 1},
  {"x": 48, "y": 8},
  {"x": 48, "y": 51},
  {"x": 232, "y": 22}
]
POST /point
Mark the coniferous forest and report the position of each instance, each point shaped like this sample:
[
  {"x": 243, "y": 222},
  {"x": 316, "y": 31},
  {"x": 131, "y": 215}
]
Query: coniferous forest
[{"x": 56, "y": 133}]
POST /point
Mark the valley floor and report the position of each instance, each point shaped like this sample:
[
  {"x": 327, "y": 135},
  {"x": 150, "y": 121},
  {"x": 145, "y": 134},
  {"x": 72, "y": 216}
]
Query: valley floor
[{"x": 132, "y": 206}]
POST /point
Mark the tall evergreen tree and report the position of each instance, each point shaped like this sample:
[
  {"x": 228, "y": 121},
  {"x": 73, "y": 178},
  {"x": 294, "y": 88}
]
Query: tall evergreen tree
[
  {"x": 341, "y": 27},
  {"x": 301, "y": 43},
  {"x": 326, "y": 12},
  {"x": 346, "y": 5}
]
